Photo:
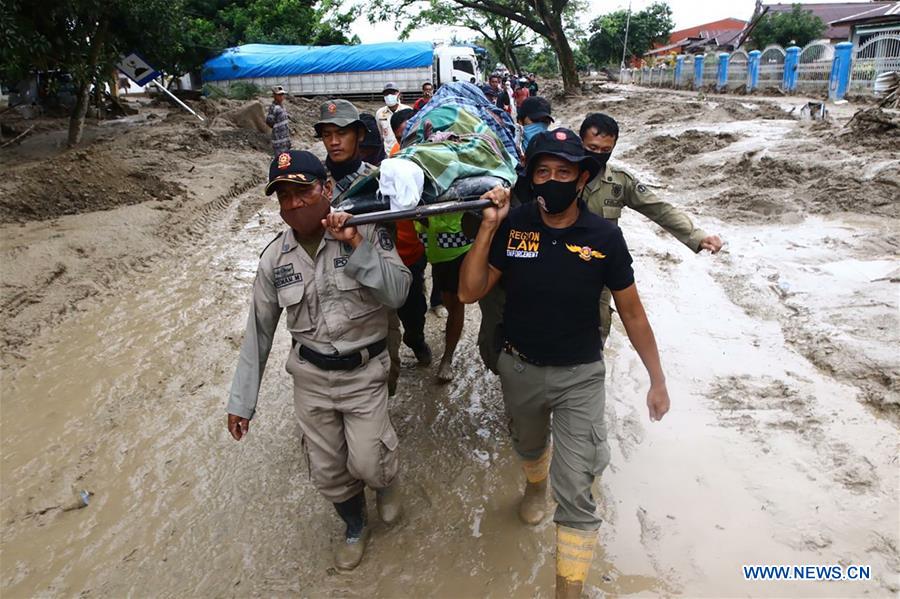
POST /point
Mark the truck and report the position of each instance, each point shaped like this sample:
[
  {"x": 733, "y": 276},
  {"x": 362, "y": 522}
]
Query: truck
[{"x": 359, "y": 71}]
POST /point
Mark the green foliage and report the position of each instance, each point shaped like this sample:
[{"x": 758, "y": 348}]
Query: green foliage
[
  {"x": 214, "y": 25},
  {"x": 504, "y": 24},
  {"x": 87, "y": 37},
  {"x": 243, "y": 90},
  {"x": 646, "y": 28},
  {"x": 214, "y": 92},
  {"x": 799, "y": 26}
]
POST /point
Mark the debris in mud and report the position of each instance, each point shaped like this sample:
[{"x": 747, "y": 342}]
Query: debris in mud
[
  {"x": 80, "y": 182},
  {"x": 669, "y": 149},
  {"x": 801, "y": 187},
  {"x": 874, "y": 128}
]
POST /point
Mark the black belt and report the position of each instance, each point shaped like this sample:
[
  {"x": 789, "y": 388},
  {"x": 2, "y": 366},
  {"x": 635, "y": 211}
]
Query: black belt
[
  {"x": 341, "y": 362},
  {"x": 508, "y": 348}
]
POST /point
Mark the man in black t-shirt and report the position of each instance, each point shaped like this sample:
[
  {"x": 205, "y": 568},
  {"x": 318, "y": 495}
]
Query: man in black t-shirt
[{"x": 554, "y": 257}]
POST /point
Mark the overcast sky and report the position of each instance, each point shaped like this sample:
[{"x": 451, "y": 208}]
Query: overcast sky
[{"x": 686, "y": 13}]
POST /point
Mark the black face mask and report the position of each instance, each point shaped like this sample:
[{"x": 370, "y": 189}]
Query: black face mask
[
  {"x": 600, "y": 157},
  {"x": 556, "y": 195}
]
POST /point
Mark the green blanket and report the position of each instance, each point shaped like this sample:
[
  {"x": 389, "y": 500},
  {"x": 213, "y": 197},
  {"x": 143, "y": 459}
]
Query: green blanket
[{"x": 461, "y": 146}]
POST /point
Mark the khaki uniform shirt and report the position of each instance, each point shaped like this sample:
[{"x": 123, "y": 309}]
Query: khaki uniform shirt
[
  {"x": 335, "y": 304},
  {"x": 383, "y": 118},
  {"x": 614, "y": 188}
]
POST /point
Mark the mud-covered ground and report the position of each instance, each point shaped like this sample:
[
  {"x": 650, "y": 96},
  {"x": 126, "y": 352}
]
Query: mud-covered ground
[{"x": 126, "y": 267}]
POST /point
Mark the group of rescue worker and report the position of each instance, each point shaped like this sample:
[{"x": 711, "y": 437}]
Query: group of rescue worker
[{"x": 543, "y": 261}]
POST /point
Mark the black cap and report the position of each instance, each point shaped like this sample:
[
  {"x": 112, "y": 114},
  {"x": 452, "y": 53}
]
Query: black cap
[
  {"x": 373, "y": 135},
  {"x": 295, "y": 166},
  {"x": 536, "y": 108},
  {"x": 562, "y": 143}
]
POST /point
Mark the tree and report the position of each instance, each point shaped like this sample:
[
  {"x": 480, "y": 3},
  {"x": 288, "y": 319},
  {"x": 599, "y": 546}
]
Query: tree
[
  {"x": 646, "y": 28},
  {"x": 86, "y": 38},
  {"x": 214, "y": 25},
  {"x": 799, "y": 26},
  {"x": 546, "y": 18},
  {"x": 500, "y": 35}
]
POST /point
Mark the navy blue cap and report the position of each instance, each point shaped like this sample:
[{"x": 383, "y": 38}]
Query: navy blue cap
[{"x": 295, "y": 166}]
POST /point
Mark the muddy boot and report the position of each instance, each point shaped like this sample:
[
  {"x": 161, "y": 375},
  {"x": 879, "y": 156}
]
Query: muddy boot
[
  {"x": 423, "y": 354},
  {"x": 353, "y": 513},
  {"x": 574, "y": 553},
  {"x": 390, "y": 503},
  {"x": 533, "y": 506},
  {"x": 534, "y": 501},
  {"x": 445, "y": 371}
]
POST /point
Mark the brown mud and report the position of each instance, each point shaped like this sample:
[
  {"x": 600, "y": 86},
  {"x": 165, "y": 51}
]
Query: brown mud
[{"x": 122, "y": 319}]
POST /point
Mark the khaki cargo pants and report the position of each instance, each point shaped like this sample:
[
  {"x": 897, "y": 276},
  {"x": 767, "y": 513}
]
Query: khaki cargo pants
[
  {"x": 605, "y": 315},
  {"x": 569, "y": 401},
  {"x": 348, "y": 437}
]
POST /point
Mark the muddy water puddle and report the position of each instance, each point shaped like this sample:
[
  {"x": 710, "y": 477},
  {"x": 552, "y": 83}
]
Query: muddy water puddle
[{"x": 771, "y": 454}]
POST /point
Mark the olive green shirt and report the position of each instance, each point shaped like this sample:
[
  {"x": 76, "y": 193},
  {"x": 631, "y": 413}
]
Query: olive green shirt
[{"x": 615, "y": 188}]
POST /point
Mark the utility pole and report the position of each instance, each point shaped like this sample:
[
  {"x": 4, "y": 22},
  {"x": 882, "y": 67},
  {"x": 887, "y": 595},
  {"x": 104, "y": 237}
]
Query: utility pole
[{"x": 625, "y": 45}]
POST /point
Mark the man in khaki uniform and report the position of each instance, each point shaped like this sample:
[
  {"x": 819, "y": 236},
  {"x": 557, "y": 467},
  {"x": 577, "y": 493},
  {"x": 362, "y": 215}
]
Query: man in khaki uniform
[
  {"x": 614, "y": 189},
  {"x": 337, "y": 285},
  {"x": 342, "y": 133}
]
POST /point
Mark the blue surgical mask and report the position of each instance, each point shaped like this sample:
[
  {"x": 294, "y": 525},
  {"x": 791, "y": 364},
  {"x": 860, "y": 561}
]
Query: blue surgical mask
[
  {"x": 391, "y": 99},
  {"x": 530, "y": 131}
]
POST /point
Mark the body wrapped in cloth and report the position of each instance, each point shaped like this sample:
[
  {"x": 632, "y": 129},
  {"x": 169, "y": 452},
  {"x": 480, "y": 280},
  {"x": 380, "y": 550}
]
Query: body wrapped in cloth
[{"x": 461, "y": 146}]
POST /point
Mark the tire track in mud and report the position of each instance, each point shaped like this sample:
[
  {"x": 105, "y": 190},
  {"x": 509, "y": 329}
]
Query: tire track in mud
[{"x": 107, "y": 275}]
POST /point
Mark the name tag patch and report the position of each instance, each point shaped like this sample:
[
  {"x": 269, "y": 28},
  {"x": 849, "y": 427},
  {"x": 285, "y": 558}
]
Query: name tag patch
[
  {"x": 341, "y": 261},
  {"x": 523, "y": 244},
  {"x": 285, "y": 275}
]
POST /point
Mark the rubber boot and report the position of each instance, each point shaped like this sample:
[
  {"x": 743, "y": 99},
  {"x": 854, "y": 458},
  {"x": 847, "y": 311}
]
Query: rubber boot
[
  {"x": 574, "y": 553},
  {"x": 533, "y": 506},
  {"x": 353, "y": 513},
  {"x": 390, "y": 503}
]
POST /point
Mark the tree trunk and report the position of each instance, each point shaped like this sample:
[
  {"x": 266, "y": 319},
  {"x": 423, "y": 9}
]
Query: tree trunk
[
  {"x": 76, "y": 120},
  {"x": 565, "y": 56}
]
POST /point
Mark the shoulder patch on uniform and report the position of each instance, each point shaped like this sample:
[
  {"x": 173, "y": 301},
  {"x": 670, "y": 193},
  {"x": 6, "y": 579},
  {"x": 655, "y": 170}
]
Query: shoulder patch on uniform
[
  {"x": 641, "y": 188},
  {"x": 384, "y": 239},
  {"x": 274, "y": 239}
]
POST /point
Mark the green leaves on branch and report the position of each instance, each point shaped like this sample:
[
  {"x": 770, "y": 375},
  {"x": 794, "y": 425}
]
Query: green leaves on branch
[
  {"x": 797, "y": 27},
  {"x": 545, "y": 18},
  {"x": 645, "y": 29}
]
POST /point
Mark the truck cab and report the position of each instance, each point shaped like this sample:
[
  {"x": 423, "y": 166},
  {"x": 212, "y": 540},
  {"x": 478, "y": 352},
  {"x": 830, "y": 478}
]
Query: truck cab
[{"x": 455, "y": 63}]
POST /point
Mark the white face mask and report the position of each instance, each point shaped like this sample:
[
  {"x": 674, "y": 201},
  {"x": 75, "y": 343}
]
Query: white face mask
[{"x": 391, "y": 100}]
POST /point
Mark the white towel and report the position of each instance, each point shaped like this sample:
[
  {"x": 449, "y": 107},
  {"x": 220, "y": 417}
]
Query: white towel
[{"x": 401, "y": 181}]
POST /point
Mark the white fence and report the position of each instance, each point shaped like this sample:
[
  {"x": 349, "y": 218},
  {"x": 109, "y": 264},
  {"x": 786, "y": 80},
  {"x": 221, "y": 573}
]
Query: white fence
[
  {"x": 811, "y": 69},
  {"x": 879, "y": 54}
]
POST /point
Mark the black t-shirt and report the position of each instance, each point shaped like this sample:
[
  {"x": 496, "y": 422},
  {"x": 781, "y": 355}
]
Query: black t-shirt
[{"x": 553, "y": 280}]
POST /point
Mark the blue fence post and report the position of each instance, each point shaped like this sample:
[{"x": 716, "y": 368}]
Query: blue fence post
[
  {"x": 679, "y": 66},
  {"x": 791, "y": 67},
  {"x": 753, "y": 70},
  {"x": 839, "y": 80},
  {"x": 722, "y": 71},
  {"x": 698, "y": 70}
]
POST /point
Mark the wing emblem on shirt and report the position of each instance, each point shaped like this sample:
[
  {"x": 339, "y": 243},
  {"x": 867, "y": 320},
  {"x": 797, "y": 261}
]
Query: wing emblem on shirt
[{"x": 584, "y": 252}]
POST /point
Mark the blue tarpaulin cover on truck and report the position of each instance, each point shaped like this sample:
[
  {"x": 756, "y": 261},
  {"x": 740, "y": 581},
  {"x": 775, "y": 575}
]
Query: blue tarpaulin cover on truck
[{"x": 267, "y": 60}]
